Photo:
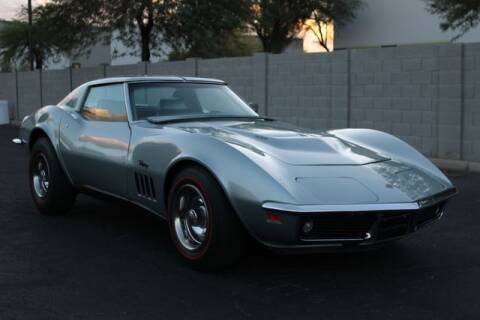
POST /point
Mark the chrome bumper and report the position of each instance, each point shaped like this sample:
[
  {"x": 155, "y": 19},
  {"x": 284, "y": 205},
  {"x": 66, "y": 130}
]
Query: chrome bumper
[
  {"x": 422, "y": 203},
  {"x": 354, "y": 225}
]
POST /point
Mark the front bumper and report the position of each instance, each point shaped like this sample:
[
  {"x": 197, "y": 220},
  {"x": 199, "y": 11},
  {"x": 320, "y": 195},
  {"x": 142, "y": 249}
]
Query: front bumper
[{"x": 349, "y": 226}]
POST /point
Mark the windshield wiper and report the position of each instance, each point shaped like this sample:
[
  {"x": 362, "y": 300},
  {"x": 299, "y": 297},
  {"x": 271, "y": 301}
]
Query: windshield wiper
[{"x": 172, "y": 119}]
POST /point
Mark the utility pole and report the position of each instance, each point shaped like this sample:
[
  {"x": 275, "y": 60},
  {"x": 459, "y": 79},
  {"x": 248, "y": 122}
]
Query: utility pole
[{"x": 30, "y": 41}]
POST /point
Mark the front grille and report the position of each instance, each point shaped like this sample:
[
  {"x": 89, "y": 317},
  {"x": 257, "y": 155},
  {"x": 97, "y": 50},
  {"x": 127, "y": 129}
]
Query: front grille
[
  {"x": 426, "y": 215},
  {"x": 340, "y": 226},
  {"x": 376, "y": 225},
  {"x": 393, "y": 225}
]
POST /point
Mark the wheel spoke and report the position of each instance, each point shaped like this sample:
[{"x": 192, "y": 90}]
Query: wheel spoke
[
  {"x": 181, "y": 203},
  {"x": 190, "y": 218},
  {"x": 40, "y": 178}
]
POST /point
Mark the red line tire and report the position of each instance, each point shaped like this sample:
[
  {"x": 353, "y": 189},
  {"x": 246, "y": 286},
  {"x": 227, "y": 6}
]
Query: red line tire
[{"x": 221, "y": 241}]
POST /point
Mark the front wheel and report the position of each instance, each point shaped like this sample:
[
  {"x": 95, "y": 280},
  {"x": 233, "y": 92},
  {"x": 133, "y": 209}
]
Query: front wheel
[
  {"x": 51, "y": 191},
  {"x": 205, "y": 230}
]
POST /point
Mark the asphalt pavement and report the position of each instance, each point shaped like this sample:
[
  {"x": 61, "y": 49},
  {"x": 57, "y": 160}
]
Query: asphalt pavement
[{"x": 113, "y": 261}]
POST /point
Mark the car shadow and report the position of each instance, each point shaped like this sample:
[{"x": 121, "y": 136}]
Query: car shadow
[{"x": 148, "y": 233}]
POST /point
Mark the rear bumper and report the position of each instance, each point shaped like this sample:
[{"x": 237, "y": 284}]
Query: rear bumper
[{"x": 350, "y": 227}]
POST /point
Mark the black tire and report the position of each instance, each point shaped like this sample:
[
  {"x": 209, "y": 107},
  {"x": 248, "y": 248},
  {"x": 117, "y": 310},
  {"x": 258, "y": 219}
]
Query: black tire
[
  {"x": 225, "y": 238},
  {"x": 59, "y": 196}
]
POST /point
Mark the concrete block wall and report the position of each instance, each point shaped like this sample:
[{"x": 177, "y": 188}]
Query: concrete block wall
[
  {"x": 138, "y": 69},
  {"x": 82, "y": 75},
  {"x": 412, "y": 92},
  {"x": 427, "y": 95},
  {"x": 55, "y": 86},
  {"x": 310, "y": 90},
  {"x": 185, "y": 68},
  {"x": 8, "y": 92},
  {"x": 471, "y": 93},
  {"x": 29, "y": 92},
  {"x": 237, "y": 72}
]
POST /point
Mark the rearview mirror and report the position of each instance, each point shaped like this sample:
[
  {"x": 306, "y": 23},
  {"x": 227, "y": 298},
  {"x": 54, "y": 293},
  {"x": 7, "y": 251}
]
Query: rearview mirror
[{"x": 253, "y": 106}]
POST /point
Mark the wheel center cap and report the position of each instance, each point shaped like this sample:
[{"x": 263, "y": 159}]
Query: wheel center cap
[{"x": 192, "y": 215}]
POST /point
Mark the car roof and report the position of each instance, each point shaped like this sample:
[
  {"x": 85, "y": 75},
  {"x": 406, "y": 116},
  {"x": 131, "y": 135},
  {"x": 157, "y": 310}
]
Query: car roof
[{"x": 153, "y": 79}]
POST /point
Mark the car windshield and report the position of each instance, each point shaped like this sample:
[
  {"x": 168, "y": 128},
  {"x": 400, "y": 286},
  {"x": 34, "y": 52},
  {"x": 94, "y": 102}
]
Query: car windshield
[{"x": 185, "y": 100}]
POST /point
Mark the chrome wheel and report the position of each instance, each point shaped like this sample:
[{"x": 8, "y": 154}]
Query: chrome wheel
[
  {"x": 41, "y": 177},
  {"x": 190, "y": 217}
]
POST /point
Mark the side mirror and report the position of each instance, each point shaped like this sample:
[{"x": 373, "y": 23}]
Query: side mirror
[{"x": 254, "y": 106}]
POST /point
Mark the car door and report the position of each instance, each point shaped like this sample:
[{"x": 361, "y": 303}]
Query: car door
[{"x": 94, "y": 140}]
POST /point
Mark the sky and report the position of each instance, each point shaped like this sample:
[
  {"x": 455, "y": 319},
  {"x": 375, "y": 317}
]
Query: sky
[{"x": 9, "y": 8}]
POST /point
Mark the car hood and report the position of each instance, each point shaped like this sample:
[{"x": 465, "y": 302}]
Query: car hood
[{"x": 285, "y": 142}]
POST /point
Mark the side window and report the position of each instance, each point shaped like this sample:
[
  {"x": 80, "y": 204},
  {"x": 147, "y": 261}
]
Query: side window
[
  {"x": 105, "y": 103},
  {"x": 71, "y": 99}
]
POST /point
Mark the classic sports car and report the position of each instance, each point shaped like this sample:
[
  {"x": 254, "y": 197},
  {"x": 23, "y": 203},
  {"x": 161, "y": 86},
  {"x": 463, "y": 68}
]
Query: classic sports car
[{"x": 192, "y": 152}]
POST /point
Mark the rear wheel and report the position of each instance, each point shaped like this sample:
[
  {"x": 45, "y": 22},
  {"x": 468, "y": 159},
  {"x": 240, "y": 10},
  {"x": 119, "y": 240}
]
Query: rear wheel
[
  {"x": 204, "y": 227},
  {"x": 51, "y": 191}
]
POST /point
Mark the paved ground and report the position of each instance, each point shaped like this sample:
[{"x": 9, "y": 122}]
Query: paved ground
[{"x": 111, "y": 261}]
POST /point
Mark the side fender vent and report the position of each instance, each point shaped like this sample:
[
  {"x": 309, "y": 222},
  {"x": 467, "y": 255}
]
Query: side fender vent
[{"x": 145, "y": 187}]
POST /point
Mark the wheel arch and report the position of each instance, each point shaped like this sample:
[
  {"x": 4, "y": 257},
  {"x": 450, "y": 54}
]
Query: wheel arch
[
  {"x": 181, "y": 164},
  {"x": 178, "y": 166},
  {"x": 36, "y": 134}
]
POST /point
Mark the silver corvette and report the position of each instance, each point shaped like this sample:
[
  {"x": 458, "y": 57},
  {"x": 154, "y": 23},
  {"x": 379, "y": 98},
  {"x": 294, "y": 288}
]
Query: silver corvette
[{"x": 192, "y": 152}]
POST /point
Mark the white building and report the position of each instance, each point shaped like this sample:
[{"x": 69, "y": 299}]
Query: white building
[
  {"x": 111, "y": 53},
  {"x": 378, "y": 23},
  {"x": 395, "y": 22}
]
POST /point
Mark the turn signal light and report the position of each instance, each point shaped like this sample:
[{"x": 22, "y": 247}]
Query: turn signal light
[{"x": 274, "y": 218}]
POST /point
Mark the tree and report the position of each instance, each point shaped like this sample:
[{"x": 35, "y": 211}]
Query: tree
[
  {"x": 456, "y": 15},
  {"x": 326, "y": 12},
  {"x": 139, "y": 22},
  {"x": 276, "y": 22},
  {"x": 48, "y": 34},
  {"x": 208, "y": 28}
]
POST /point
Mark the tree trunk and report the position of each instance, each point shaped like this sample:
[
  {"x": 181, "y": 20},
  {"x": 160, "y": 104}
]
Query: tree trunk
[
  {"x": 265, "y": 43},
  {"x": 38, "y": 60},
  {"x": 145, "y": 33},
  {"x": 325, "y": 46},
  {"x": 145, "y": 47}
]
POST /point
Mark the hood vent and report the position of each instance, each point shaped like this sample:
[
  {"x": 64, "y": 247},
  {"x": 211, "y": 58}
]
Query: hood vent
[{"x": 145, "y": 187}]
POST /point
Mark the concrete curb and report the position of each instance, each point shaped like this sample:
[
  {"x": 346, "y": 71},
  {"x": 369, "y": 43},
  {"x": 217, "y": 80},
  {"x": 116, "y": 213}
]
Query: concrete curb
[{"x": 457, "y": 165}]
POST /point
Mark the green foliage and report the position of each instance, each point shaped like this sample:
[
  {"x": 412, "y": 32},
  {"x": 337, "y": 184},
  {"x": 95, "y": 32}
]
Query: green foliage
[
  {"x": 13, "y": 43},
  {"x": 456, "y": 15},
  {"x": 14, "y": 37},
  {"x": 52, "y": 34},
  {"x": 191, "y": 28},
  {"x": 340, "y": 12},
  {"x": 277, "y": 22},
  {"x": 207, "y": 28},
  {"x": 139, "y": 22},
  {"x": 234, "y": 45}
]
